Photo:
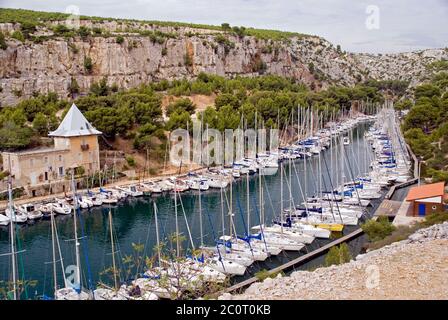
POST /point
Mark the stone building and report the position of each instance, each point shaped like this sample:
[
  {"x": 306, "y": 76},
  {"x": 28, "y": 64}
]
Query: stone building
[{"x": 44, "y": 170}]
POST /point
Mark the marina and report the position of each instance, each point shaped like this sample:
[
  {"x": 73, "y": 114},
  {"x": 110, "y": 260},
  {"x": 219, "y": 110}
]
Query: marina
[{"x": 227, "y": 222}]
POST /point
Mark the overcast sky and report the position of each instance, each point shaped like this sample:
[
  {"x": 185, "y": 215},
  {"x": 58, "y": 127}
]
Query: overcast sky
[{"x": 403, "y": 25}]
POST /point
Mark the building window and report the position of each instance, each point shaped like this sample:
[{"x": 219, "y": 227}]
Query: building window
[
  {"x": 31, "y": 162},
  {"x": 60, "y": 158},
  {"x": 46, "y": 176},
  {"x": 434, "y": 207},
  {"x": 61, "y": 171},
  {"x": 45, "y": 159}
]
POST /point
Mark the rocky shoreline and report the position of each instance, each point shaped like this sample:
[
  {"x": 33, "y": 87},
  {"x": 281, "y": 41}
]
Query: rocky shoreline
[{"x": 415, "y": 268}]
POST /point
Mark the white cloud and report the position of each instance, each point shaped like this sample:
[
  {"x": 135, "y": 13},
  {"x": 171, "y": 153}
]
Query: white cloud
[{"x": 404, "y": 24}]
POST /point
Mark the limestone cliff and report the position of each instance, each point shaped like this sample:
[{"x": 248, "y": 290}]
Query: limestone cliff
[{"x": 51, "y": 64}]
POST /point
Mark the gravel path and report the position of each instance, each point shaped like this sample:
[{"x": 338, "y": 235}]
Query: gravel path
[{"x": 416, "y": 268}]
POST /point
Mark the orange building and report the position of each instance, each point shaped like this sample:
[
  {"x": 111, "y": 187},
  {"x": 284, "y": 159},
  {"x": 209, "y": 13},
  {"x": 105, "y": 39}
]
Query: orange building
[{"x": 427, "y": 199}]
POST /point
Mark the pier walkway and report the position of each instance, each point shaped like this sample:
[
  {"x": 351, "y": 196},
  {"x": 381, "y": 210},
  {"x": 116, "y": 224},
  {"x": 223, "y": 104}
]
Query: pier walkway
[{"x": 298, "y": 261}]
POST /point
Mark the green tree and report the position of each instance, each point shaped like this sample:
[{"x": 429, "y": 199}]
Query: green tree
[
  {"x": 13, "y": 137},
  {"x": 73, "y": 87},
  {"x": 181, "y": 105},
  {"x": 421, "y": 116},
  {"x": 100, "y": 88},
  {"x": 18, "y": 35},
  {"x": 40, "y": 124},
  {"x": 227, "y": 99},
  {"x": 378, "y": 229},
  {"x": 338, "y": 255},
  {"x": 83, "y": 32},
  {"x": 88, "y": 64},
  {"x": 426, "y": 90},
  {"x": 225, "y": 26},
  {"x": 3, "y": 44},
  {"x": 178, "y": 120},
  {"x": 119, "y": 39}
]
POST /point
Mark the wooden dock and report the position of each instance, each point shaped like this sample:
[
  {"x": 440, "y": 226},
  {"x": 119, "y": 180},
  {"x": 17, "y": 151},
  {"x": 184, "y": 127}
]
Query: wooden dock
[{"x": 297, "y": 261}]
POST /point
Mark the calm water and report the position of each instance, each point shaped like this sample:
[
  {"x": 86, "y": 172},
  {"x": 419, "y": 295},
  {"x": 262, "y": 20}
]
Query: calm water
[{"x": 134, "y": 220}]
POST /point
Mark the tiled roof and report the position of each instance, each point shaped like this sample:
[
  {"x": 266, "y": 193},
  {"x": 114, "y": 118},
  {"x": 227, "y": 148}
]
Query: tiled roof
[
  {"x": 426, "y": 191},
  {"x": 74, "y": 124}
]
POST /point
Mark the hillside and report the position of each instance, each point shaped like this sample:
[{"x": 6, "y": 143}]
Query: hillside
[
  {"x": 415, "y": 268},
  {"x": 42, "y": 55}
]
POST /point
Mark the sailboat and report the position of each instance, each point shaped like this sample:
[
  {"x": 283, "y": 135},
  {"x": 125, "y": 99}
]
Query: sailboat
[{"x": 75, "y": 290}]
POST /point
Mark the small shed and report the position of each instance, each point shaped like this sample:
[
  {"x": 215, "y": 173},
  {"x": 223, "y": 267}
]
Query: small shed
[{"x": 426, "y": 199}]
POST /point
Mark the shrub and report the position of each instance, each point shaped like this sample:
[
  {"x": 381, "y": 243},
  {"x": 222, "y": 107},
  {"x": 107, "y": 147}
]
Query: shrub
[
  {"x": 338, "y": 255},
  {"x": 40, "y": 124},
  {"x": 18, "y": 35},
  {"x": 119, "y": 39},
  {"x": 378, "y": 229},
  {"x": 88, "y": 64},
  {"x": 83, "y": 32},
  {"x": 97, "y": 31},
  {"x": 400, "y": 233},
  {"x": 3, "y": 44},
  {"x": 188, "y": 61},
  {"x": 264, "y": 274},
  {"x": 434, "y": 218},
  {"x": 130, "y": 161},
  {"x": 180, "y": 106},
  {"x": 73, "y": 87}
]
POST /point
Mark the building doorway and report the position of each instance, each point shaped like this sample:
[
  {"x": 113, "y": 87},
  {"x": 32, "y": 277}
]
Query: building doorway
[{"x": 421, "y": 209}]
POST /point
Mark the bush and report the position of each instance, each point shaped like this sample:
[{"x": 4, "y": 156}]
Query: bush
[
  {"x": 378, "y": 229},
  {"x": 73, "y": 87},
  {"x": 264, "y": 274},
  {"x": 434, "y": 218},
  {"x": 18, "y": 35},
  {"x": 338, "y": 255},
  {"x": 3, "y": 44},
  {"x": 188, "y": 61},
  {"x": 119, "y": 39},
  {"x": 400, "y": 233},
  {"x": 88, "y": 64},
  {"x": 40, "y": 124},
  {"x": 180, "y": 106},
  {"x": 83, "y": 32},
  {"x": 131, "y": 161}
]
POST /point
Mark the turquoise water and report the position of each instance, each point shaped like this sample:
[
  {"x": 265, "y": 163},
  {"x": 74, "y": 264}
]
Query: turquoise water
[{"x": 134, "y": 222}]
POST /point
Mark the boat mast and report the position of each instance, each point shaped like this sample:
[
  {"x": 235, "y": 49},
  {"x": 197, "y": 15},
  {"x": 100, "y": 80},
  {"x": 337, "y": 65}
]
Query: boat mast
[
  {"x": 281, "y": 196},
  {"x": 53, "y": 243},
  {"x": 13, "y": 252},
  {"x": 222, "y": 212},
  {"x": 157, "y": 233},
  {"x": 77, "y": 244},
  {"x": 113, "y": 250},
  {"x": 201, "y": 231},
  {"x": 177, "y": 222},
  {"x": 248, "y": 205}
]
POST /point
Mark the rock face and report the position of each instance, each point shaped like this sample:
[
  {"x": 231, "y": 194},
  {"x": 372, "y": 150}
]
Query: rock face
[
  {"x": 416, "y": 268},
  {"x": 51, "y": 65}
]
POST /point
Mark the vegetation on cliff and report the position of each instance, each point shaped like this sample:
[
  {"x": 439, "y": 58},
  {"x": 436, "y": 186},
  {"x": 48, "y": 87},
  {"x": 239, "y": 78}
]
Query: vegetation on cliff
[
  {"x": 425, "y": 124},
  {"x": 137, "y": 114},
  {"x": 30, "y": 19}
]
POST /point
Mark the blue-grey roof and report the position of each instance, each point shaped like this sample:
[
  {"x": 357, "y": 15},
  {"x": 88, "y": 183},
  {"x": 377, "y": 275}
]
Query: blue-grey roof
[{"x": 74, "y": 124}]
